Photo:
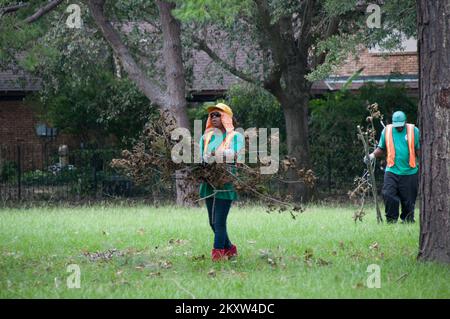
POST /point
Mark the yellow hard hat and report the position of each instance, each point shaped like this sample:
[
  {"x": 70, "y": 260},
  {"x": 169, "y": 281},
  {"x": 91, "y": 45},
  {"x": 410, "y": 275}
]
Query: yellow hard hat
[{"x": 223, "y": 107}]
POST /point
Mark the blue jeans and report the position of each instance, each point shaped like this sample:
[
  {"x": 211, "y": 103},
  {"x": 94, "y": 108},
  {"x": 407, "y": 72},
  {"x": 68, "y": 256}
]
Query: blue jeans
[{"x": 217, "y": 213}]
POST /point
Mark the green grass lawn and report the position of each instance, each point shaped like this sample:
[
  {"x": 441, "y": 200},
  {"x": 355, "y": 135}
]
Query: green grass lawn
[{"x": 165, "y": 253}]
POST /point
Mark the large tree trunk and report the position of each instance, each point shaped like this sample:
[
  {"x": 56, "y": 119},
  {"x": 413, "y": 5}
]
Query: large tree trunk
[
  {"x": 294, "y": 101},
  {"x": 295, "y": 109},
  {"x": 434, "y": 114},
  {"x": 296, "y": 119},
  {"x": 176, "y": 84},
  {"x": 173, "y": 63}
]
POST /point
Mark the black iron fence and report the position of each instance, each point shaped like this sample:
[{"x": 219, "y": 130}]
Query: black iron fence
[{"x": 49, "y": 172}]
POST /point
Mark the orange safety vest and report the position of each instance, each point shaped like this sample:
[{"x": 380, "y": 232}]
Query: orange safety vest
[
  {"x": 391, "y": 149},
  {"x": 225, "y": 143}
]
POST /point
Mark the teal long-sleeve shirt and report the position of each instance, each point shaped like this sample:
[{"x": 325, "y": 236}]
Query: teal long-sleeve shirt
[{"x": 228, "y": 191}]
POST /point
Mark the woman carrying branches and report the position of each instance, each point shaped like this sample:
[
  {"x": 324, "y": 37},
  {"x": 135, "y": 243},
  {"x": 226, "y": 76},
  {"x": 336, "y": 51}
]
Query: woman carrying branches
[{"x": 220, "y": 144}]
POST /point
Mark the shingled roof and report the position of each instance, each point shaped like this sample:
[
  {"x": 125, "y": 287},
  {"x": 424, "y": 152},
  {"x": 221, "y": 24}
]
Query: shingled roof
[
  {"x": 17, "y": 80},
  {"x": 209, "y": 76}
]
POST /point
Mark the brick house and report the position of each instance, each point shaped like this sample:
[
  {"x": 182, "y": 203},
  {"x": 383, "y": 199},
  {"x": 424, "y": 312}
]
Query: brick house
[
  {"x": 20, "y": 125},
  {"x": 379, "y": 66}
]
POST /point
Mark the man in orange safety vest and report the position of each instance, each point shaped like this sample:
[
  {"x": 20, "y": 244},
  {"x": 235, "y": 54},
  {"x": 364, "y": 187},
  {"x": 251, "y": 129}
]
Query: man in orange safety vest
[{"x": 400, "y": 142}]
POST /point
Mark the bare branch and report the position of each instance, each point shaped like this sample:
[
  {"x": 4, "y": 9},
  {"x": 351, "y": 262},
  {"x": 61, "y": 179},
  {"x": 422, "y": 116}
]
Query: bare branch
[
  {"x": 12, "y": 8},
  {"x": 203, "y": 46},
  {"x": 146, "y": 85},
  {"x": 42, "y": 11}
]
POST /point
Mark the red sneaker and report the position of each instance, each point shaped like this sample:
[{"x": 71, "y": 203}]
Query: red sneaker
[
  {"x": 218, "y": 255},
  {"x": 232, "y": 251}
]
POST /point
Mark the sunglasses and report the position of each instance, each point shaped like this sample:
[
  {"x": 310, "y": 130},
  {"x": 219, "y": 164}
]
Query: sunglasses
[{"x": 214, "y": 114}]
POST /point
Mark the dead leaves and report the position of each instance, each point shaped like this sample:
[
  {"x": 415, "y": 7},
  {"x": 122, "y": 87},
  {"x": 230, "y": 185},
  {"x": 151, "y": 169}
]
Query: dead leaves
[
  {"x": 310, "y": 260},
  {"x": 130, "y": 256},
  {"x": 103, "y": 255},
  {"x": 374, "y": 112},
  {"x": 308, "y": 256},
  {"x": 272, "y": 258},
  {"x": 307, "y": 176},
  {"x": 198, "y": 258},
  {"x": 14, "y": 254},
  {"x": 213, "y": 273},
  {"x": 358, "y": 285},
  {"x": 357, "y": 255},
  {"x": 154, "y": 274},
  {"x": 277, "y": 258},
  {"x": 292, "y": 208},
  {"x": 178, "y": 241},
  {"x": 165, "y": 264},
  {"x": 154, "y": 266},
  {"x": 264, "y": 253},
  {"x": 109, "y": 254},
  {"x": 358, "y": 216},
  {"x": 322, "y": 262},
  {"x": 374, "y": 248}
]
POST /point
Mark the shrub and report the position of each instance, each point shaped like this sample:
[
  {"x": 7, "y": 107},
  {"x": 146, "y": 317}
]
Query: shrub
[
  {"x": 8, "y": 171},
  {"x": 335, "y": 150},
  {"x": 255, "y": 107}
]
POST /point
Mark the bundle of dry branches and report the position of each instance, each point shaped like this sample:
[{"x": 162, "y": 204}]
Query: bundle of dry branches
[
  {"x": 366, "y": 183},
  {"x": 152, "y": 154}
]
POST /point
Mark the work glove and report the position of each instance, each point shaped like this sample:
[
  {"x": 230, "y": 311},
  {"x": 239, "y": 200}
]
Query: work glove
[{"x": 369, "y": 158}]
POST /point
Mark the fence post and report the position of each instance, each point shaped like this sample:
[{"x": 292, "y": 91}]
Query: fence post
[
  {"x": 329, "y": 173},
  {"x": 19, "y": 174},
  {"x": 95, "y": 181}
]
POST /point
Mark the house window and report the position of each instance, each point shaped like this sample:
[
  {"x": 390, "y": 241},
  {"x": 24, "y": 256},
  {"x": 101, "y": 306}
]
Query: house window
[{"x": 42, "y": 130}]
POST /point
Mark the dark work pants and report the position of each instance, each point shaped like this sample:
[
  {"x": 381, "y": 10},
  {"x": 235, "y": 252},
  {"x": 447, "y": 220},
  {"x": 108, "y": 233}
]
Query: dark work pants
[
  {"x": 218, "y": 212},
  {"x": 400, "y": 189}
]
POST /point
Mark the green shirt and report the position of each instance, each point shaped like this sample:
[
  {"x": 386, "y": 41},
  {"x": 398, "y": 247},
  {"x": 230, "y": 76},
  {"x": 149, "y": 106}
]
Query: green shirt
[
  {"x": 228, "y": 191},
  {"x": 401, "y": 165}
]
